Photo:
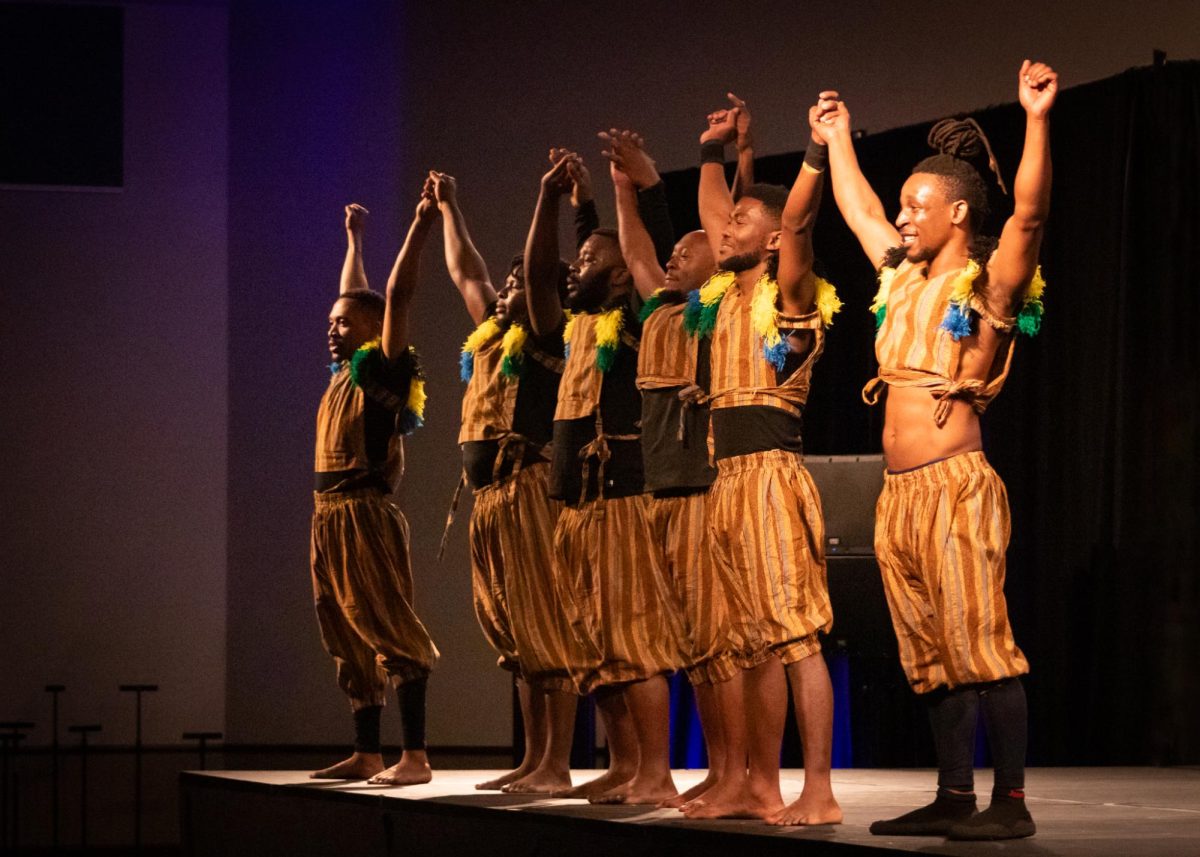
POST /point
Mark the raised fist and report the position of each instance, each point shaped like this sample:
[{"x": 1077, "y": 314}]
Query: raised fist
[
  {"x": 1037, "y": 87},
  {"x": 356, "y": 218}
]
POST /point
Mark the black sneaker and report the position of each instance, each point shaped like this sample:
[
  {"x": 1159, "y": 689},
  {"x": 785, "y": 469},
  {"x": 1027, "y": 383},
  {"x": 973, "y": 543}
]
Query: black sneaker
[
  {"x": 936, "y": 819},
  {"x": 1006, "y": 818}
]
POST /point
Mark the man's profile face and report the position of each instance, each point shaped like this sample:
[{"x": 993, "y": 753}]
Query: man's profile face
[
  {"x": 510, "y": 302},
  {"x": 691, "y": 262},
  {"x": 350, "y": 327}
]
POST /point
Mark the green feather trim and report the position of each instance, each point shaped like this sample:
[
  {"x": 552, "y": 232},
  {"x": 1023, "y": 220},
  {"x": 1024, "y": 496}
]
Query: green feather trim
[
  {"x": 652, "y": 303},
  {"x": 880, "y": 315},
  {"x": 605, "y": 356},
  {"x": 511, "y": 366},
  {"x": 1029, "y": 320}
]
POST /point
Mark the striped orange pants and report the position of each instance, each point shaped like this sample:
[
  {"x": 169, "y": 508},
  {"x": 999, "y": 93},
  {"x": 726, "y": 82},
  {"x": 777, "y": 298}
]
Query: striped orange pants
[
  {"x": 769, "y": 541},
  {"x": 679, "y": 529},
  {"x": 514, "y": 578},
  {"x": 363, "y": 589},
  {"x": 612, "y": 587},
  {"x": 941, "y": 532}
]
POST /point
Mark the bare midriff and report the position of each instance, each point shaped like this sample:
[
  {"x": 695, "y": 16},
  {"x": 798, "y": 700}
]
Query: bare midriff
[{"x": 911, "y": 436}]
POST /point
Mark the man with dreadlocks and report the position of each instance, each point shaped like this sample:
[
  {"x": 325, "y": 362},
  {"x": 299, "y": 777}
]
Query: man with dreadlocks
[
  {"x": 612, "y": 583},
  {"x": 949, "y": 303},
  {"x": 507, "y": 415},
  {"x": 766, "y": 312},
  {"x": 362, "y": 579}
]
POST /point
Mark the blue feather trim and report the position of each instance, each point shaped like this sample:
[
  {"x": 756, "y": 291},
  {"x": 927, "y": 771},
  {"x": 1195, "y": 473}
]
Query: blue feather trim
[
  {"x": 776, "y": 354},
  {"x": 956, "y": 322},
  {"x": 466, "y": 365}
]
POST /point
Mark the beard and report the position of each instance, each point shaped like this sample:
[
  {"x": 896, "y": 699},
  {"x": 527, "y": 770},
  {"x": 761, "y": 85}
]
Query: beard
[
  {"x": 740, "y": 262},
  {"x": 588, "y": 296}
]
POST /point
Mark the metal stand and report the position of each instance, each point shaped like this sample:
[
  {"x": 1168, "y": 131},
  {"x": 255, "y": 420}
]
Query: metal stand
[
  {"x": 203, "y": 738},
  {"x": 10, "y": 791},
  {"x": 54, "y": 690},
  {"x": 83, "y": 732},
  {"x": 137, "y": 690}
]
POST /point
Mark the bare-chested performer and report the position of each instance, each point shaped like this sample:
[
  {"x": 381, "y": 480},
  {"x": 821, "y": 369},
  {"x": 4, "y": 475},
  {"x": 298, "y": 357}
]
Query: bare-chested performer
[
  {"x": 673, "y": 375},
  {"x": 949, "y": 303},
  {"x": 767, "y": 313},
  {"x": 362, "y": 577},
  {"x": 613, "y": 587},
  {"x": 507, "y": 424}
]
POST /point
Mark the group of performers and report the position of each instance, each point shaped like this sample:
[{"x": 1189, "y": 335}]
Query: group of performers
[{"x": 631, "y": 430}]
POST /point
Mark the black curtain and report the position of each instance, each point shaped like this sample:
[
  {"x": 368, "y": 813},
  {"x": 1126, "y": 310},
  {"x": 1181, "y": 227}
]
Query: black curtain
[{"x": 1097, "y": 433}]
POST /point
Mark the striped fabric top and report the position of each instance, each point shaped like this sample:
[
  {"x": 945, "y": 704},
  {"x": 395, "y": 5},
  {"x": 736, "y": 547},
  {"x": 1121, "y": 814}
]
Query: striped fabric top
[
  {"x": 582, "y": 382},
  {"x": 914, "y": 349},
  {"x": 490, "y": 399},
  {"x": 667, "y": 357},
  {"x": 356, "y": 436},
  {"x": 741, "y": 374}
]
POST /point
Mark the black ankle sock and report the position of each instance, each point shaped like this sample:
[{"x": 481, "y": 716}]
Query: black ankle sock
[
  {"x": 1006, "y": 714},
  {"x": 411, "y": 695},
  {"x": 936, "y": 819},
  {"x": 366, "y": 729},
  {"x": 953, "y": 715}
]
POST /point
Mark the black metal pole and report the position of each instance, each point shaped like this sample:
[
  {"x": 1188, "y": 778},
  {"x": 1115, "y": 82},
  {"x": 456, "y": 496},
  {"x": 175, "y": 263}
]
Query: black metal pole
[
  {"x": 83, "y": 789},
  {"x": 203, "y": 738},
  {"x": 137, "y": 690},
  {"x": 54, "y": 690},
  {"x": 8, "y": 788}
]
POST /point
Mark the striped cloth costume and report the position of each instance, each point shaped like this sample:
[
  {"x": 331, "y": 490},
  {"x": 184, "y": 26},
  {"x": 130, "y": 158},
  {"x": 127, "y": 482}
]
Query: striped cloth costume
[
  {"x": 767, "y": 527},
  {"x": 507, "y": 414},
  {"x": 612, "y": 585},
  {"x": 673, "y": 375},
  {"x": 361, "y": 573},
  {"x": 941, "y": 530}
]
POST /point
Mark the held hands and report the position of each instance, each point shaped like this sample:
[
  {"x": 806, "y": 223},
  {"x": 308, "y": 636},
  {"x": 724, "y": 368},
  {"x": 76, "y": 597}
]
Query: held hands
[
  {"x": 356, "y": 218},
  {"x": 578, "y": 175},
  {"x": 744, "y": 138},
  {"x": 628, "y": 159},
  {"x": 559, "y": 179},
  {"x": 427, "y": 207},
  {"x": 722, "y": 124},
  {"x": 1037, "y": 87},
  {"x": 828, "y": 118},
  {"x": 444, "y": 187}
]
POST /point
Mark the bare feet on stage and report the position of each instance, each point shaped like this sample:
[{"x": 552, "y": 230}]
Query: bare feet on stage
[
  {"x": 359, "y": 766},
  {"x": 500, "y": 782},
  {"x": 608, "y": 781},
  {"x": 542, "y": 781},
  {"x": 696, "y": 791},
  {"x": 809, "y": 809},
  {"x": 731, "y": 801},
  {"x": 637, "y": 792},
  {"x": 412, "y": 769}
]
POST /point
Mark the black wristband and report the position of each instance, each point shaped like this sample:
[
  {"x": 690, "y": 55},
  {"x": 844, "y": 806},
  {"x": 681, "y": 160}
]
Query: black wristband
[
  {"x": 816, "y": 156},
  {"x": 712, "y": 152}
]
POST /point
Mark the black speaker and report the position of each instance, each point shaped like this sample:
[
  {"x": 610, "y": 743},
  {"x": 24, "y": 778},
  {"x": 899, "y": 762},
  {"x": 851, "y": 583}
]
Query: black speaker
[{"x": 849, "y": 486}]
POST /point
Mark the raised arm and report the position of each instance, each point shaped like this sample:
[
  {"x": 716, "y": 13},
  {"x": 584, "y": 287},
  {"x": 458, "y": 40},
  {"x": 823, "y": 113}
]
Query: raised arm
[
  {"x": 587, "y": 218},
  {"x": 541, "y": 250},
  {"x": 1012, "y": 265},
  {"x": 858, "y": 203},
  {"x": 744, "y": 177},
  {"x": 627, "y": 151},
  {"x": 403, "y": 281},
  {"x": 636, "y": 244},
  {"x": 715, "y": 201},
  {"x": 354, "y": 276},
  {"x": 467, "y": 268},
  {"x": 797, "y": 288}
]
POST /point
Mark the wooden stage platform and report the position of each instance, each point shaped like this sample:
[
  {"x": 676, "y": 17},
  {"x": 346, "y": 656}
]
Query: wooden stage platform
[{"x": 1080, "y": 812}]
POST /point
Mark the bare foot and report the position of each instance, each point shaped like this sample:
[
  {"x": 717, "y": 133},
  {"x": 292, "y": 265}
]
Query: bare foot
[
  {"x": 639, "y": 793},
  {"x": 676, "y": 801},
  {"x": 359, "y": 766},
  {"x": 809, "y": 809},
  {"x": 607, "y": 781},
  {"x": 411, "y": 770},
  {"x": 540, "y": 782},
  {"x": 733, "y": 802},
  {"x": 500, "y": 782}
]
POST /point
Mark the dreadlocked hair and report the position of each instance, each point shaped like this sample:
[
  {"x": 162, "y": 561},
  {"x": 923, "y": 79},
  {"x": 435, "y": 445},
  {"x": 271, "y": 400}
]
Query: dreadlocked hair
[{"x": 959, "y": 142}]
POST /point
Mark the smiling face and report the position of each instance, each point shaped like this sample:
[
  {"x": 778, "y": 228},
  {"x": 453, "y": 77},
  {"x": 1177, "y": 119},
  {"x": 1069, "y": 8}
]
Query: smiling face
[
  {"x": 691, "y": 262},
  {"x": 597, "y": 274},
  {"x": 928, "y": 217},
  {"x": 510, "y": 301},
  {"x": 750, "y": 236},
  {"x": 351, "y": 325}
]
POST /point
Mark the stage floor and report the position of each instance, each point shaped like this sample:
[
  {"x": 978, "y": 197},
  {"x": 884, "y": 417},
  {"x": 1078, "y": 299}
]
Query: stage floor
[{"x": 1080, "y": 812}]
